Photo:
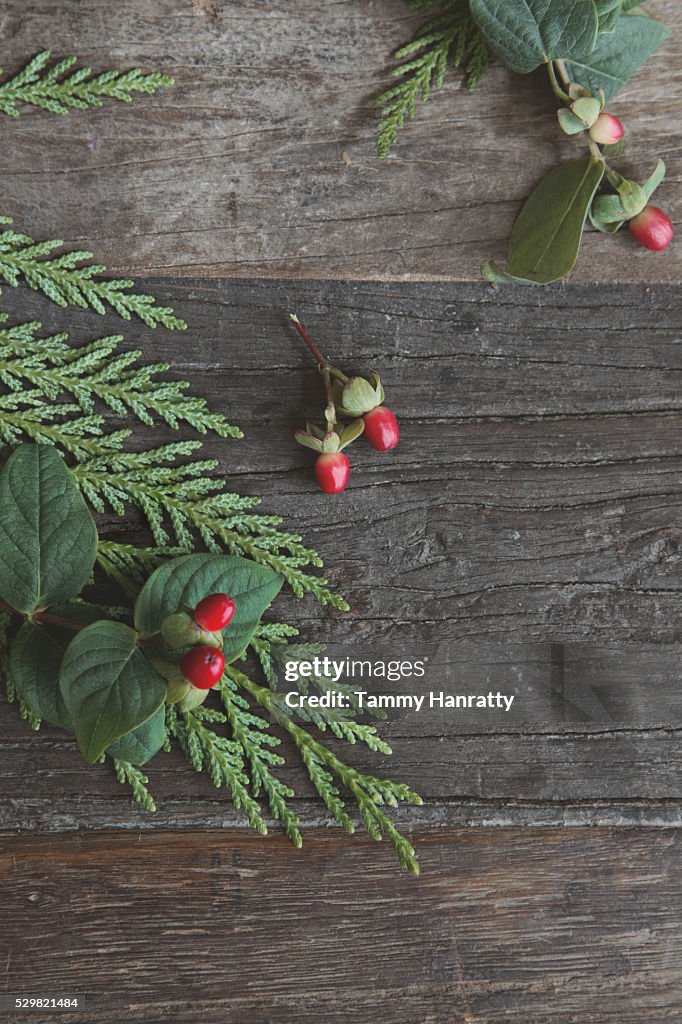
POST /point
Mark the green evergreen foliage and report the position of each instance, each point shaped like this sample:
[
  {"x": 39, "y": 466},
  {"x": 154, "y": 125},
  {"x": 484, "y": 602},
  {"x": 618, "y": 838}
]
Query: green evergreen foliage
[
  {"x": 55, "y": 393},
  {"x": 128, "y": 774},
  {"x": 69, "y": 279},
  {"x": 327, "y": 772},
  {"x": 60, "y": 89},
  {"x": 450, "y": 38},
  {"x": 74, "y": 398}
]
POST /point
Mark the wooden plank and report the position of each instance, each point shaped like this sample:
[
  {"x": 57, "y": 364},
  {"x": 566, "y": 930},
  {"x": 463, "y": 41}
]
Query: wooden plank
[
  {"x": 261, "y": 161},
  {"x": 517, "y": 926},
  {"x": 534, "y": 499}
]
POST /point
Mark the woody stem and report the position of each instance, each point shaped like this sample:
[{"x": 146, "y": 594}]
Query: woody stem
[
  {"x": 317, "y": 355},
  {"x": 47, "y": 618}
]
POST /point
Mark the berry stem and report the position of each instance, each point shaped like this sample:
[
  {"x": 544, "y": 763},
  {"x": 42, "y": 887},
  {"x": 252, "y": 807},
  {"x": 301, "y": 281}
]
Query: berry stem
[
  {"x": 556, "y": 88},
  {"x": 317, "y": 355},
  {"x": 323, "y": 363},
  {"x": 560, "y": 66},
  {"x": 46, "y": 617},
  {"x": 330, "y": 411}
]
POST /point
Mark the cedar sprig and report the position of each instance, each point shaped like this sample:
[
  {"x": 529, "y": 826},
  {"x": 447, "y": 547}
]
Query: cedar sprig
[
  {"x": 55, "y": 90},
  {"x": 129, "y": 774},
  {"x": 182, "y": 500},
  {"x": 452, "y": 37},
  {"x": 180, "y": 505},
  {"x": 99, "y": 370},
  {"x": 258, "y": 743},
  {"x": 222, "y": 758},
  {"x": 70, "y": 279},
  {"x": 326, "y": 771}
]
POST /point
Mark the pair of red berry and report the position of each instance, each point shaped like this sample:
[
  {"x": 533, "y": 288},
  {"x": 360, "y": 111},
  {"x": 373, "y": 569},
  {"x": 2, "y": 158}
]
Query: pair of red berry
[
  {"x": 652, "y": 228},
  {"x": 332, "y": 469},
  {"x": 355, "y": 399},
  {"x": 204, "y": 665}
]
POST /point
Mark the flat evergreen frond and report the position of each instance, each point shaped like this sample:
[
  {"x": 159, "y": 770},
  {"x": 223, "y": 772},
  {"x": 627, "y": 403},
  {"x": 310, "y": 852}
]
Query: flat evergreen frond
[
  {"x": 326, "y": 771},
  {"x": 81, "y": 436},
  {"x": 222, "y": 758},
  {"x": 452, "y": 37},
  {"x": 70, "y": 279},
  {"x": 51, "y": 393},
  {"x": 257, "y": 743},
  {"x": 128, "y": 565},
  {"x": 129, "y": 774},
  {"x": 98, "y": 370},
  {"x": 59, "y": 89},
  {"x": 181, "y": 506}
]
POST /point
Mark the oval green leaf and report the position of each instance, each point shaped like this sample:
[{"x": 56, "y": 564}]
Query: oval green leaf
[
  {"x": 526, "y": 33},
  {"x": 618, "y": 55},
  {"x": 140, "y": 745},
  {"x": 546, "y": 236},
  {"x": 108, "y": 685},
  {"x": 48, "y": 540},
  {"x": 609, "y": 11},
  {"x": 652, "y": 183},
  {"x": 35, "y": 659},
  {"x": 183, "y": 582}
]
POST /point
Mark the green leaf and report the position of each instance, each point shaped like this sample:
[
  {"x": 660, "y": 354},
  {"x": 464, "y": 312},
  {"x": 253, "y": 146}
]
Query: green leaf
[
  {"x": 108, "y": 686},
  {"x": 570, "y": 124},
  {"x": 613, "y": 149},
  {"x": 139, "y": 746},
  {"x": 526, "y": 33},
  {"x": 618, "y": 55},
  {"x": 608, "y": 213},
  {"x": 607, "y": 210},
  {"x": 58, "y": 92},
  {"x": 183, "y": 582},
  {"x": 632, "y": 197},
  {"x": 652, "y": 183},
  {"x": 491, "y": 272},
  {"x": 35, "y": 659},
  {"x": 609, "y": 12},
  {"x": 546, "y": 237},
  {"x": 48, "y": 540},
  {"x": 351, "y": 432}
]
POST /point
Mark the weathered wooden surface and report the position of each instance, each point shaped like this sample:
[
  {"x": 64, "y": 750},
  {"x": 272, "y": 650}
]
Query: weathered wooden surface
[
  {"x": 564, "y": 926},
  {"x": 534, "y": 499},
  {"x": 261, "y": 161}
]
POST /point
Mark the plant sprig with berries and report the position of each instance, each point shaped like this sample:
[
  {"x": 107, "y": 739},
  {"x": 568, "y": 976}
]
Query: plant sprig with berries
[
  {"x": 354, "y": 408},
  {"x": 128, "y": 681},
  {"x": 590, "y": 48}
]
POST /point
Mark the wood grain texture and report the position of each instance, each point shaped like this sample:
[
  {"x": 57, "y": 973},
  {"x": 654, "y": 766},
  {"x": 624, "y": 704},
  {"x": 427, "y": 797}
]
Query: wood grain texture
[
  {"x": 261, "y": 161},
  {"x": 522, "y": 926},
  {"x": 534, "y": 499}
]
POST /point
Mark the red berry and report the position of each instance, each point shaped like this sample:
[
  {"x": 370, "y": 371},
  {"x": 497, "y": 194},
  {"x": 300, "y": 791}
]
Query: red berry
[
  {"x": 203, "y": 666},
  {"x": 652, "y": 228},
  {"x": 381, "y": 429},
  {"x": 332, "y": 470},
  {"x": 606, "y": 130},
  {"x": 214, "y": 612}
]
